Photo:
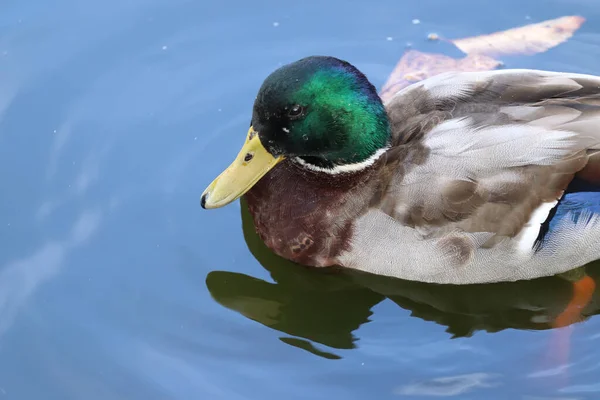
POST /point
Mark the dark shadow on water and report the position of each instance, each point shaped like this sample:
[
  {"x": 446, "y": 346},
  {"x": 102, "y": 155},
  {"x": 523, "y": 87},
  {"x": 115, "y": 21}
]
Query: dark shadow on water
[{"x": 327, "y": 306}]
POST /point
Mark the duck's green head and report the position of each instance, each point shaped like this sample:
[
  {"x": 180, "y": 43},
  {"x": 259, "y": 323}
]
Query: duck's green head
[{"x": 320, "y": 112}]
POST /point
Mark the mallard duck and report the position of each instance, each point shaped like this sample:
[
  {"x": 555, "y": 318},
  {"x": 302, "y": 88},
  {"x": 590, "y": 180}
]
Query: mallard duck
[{"x": 465, "y": 177}]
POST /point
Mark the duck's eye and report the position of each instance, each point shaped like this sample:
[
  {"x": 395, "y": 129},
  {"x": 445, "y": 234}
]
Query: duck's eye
[{"x": 295, "y": 111}]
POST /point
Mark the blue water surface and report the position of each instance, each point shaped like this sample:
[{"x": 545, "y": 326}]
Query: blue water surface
[{"x": 115, "y": 284}]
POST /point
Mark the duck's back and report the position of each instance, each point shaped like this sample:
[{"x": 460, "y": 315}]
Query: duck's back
[{"x": 494, "y": 176}]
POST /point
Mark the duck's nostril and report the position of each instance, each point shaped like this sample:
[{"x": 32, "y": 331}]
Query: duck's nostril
[{"x": 248, "y": 157}]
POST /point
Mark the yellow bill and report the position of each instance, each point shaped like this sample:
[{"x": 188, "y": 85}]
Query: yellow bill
[{"x": 251, "y": 164}]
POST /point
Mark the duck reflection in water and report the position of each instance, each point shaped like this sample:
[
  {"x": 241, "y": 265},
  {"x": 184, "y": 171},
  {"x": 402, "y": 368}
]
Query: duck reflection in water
[{"x": 344, "y": 300}]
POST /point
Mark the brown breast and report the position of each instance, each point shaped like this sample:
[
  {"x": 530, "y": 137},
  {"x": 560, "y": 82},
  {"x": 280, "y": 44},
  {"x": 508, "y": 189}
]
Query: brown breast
[{"x": 307, "y": 216}]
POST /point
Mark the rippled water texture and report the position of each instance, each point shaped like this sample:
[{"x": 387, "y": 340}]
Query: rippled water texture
[{"x": 114, "y": 284}]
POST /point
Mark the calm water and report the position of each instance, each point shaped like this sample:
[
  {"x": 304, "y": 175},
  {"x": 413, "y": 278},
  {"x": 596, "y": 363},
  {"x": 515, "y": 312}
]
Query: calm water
[{"x": 114, "y": 284}]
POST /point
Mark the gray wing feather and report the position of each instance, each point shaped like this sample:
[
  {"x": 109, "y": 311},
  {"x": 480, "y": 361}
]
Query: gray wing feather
[{"x": 482, "y": 151}]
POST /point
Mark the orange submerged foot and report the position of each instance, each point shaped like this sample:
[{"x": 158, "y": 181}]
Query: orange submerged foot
[{"x": 583, "y": 289}]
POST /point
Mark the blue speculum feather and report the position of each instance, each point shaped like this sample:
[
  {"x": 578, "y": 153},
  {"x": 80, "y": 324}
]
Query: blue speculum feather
[{"x": 581, "y": 200}]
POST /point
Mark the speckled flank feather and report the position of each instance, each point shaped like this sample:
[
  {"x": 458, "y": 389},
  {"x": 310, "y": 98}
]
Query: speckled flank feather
[
  {"x": 462, "y": 258},
  {"x": 477, "y": 162}
]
